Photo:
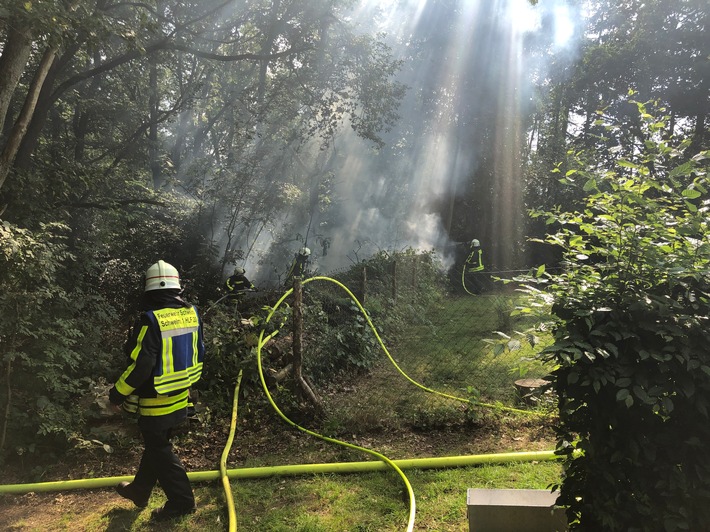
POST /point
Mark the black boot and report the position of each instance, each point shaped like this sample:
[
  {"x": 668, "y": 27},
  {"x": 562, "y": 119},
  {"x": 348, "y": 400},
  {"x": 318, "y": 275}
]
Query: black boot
[
  {"x": 165, "y": 513},
  {"x": 128, "y": 491}
]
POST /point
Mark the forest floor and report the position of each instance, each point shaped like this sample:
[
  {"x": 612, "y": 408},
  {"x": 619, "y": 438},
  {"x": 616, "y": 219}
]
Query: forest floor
[{"x": 262, "y": 444}]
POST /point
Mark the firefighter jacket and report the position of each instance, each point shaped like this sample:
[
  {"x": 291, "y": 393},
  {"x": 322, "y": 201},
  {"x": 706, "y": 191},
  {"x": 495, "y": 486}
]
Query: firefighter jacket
[
  {"x": 298, "y": 267},
  {"x": 476, "y": 255},
  {"x": 165, "y": 357},
  {"x": 238, "y": 283}
]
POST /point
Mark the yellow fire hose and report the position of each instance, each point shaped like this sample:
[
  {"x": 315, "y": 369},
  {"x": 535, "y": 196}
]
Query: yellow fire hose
[
  {"x": 223, "y": 460},
  {"x": 264, "y": 339},
  {"x": 247, "y": 473}
]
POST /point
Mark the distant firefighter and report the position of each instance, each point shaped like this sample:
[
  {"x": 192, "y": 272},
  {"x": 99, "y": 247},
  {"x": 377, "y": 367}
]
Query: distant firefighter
[
  {"x": 237, "y": 284},
  {"x": 470, "y": 277},
  {"x": 299, "y": 265},
  {"x": 474, "y": 261}
]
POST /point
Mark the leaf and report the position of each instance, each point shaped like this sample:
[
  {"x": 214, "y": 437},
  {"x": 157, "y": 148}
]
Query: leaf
[
  {"x": 626, "y": 164},
  {"x": 667, "y": 404},
  {"x": 641, "y": 394},
  {"x": 43, "y": 402},
  {"x": 622, "y": 394},
  {"x": 591, "y": 184},
  {"x": 514, "y": 345},
  {"x": 691, "y": 193},
  {"x": 691, "y": 207}
]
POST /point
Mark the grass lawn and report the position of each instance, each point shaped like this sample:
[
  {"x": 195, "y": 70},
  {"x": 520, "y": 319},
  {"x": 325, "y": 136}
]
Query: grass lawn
[{"x": 374, "y": 502}]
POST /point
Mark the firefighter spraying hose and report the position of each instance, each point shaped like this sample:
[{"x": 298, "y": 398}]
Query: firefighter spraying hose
[
  {"x": 299, "y": 266},
  {"x": 236, "y": 286},
  {"x": 473, "y": 263}
]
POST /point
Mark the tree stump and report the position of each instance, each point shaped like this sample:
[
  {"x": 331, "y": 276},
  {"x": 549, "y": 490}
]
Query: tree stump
[{"x": 529, "y": 390}]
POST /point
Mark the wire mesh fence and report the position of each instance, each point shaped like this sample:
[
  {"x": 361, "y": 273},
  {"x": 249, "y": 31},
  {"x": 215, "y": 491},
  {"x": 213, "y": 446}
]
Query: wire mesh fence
[{"x": 435, "y": 361}]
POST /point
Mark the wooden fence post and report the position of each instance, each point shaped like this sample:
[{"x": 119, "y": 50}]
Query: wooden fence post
[
  {"x": 394, "y": 281},
  {"x": 297, "y": 316},
  {"x": 414, "y": 271},
  {"x": 363, "y": 285}
]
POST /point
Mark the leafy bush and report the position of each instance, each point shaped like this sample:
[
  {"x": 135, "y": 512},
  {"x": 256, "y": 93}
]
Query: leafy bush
[
  {"x": 340, "y": 341},
  {"x": 631, "y": 336},
  {"x": 231, "y": 348},
  {"x": 50, "y": 346}
]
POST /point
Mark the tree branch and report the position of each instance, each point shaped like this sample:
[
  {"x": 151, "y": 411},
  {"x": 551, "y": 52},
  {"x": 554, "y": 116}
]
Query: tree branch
[
  {"x": 165, "y": 44},
  {"x": 235, "y": 57},
  {"x": 111, "y": 204}
]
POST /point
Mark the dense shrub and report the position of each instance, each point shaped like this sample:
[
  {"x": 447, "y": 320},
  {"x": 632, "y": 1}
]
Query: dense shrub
[
  {"x": 632, "y": 337},
  {"x": 48, "y": 344}
]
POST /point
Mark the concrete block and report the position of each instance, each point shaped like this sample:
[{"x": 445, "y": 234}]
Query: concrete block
[{"x": 511, "y": 510}]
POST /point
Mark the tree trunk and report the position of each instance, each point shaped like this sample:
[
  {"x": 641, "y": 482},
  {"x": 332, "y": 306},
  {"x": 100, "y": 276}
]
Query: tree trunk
[
  {"x": 698, "y": 139},
  {"x": 153, "y": 104},
  {"x": 20, "y": 128},
  {"x": 14, "y": 58},
  {"x": 8, "y": 405},
  {"x": 82, "y": 114},
  {"x": 44, "y": 104},
  {"x": 363, "y": 285}
]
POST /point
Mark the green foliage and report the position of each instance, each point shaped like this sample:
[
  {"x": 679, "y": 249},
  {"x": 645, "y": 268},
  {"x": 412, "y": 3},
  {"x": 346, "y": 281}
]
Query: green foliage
[
  {"x": 631, "y": 306},
  {"x": 231, "y": 345},
  {"x": 349, "y": 346},
  {"x": 49, "y": 339},
  {"x": 340, "y": 341}
]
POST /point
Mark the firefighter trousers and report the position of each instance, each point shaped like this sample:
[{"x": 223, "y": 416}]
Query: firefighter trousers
[{"x": 159, "y": 464}]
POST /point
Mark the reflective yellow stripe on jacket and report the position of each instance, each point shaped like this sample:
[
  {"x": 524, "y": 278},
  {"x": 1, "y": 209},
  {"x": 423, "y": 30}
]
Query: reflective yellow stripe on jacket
[
  {"x": 163, "y": 404},
  {"x": 121, "y": 385}
]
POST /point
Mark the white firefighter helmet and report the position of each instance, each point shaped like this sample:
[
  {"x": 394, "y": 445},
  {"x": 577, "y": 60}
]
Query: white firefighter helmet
[
  {"x": 305, "y": 252},
  {"x": 239, "y": 271},
  {"x": 161, "y": 276},
  {"x": 475, "y": 243}
]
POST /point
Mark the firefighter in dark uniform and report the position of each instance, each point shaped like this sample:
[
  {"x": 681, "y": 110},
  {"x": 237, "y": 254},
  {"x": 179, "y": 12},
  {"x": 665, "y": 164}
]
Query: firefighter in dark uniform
[
  {"x": 238, "y": 284},
  {"x": 474, "y": 264},
  {"x": 299, "y": 265},
  {"x": 165, "y": 356},
  {"x": 474, "y": 261}
]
